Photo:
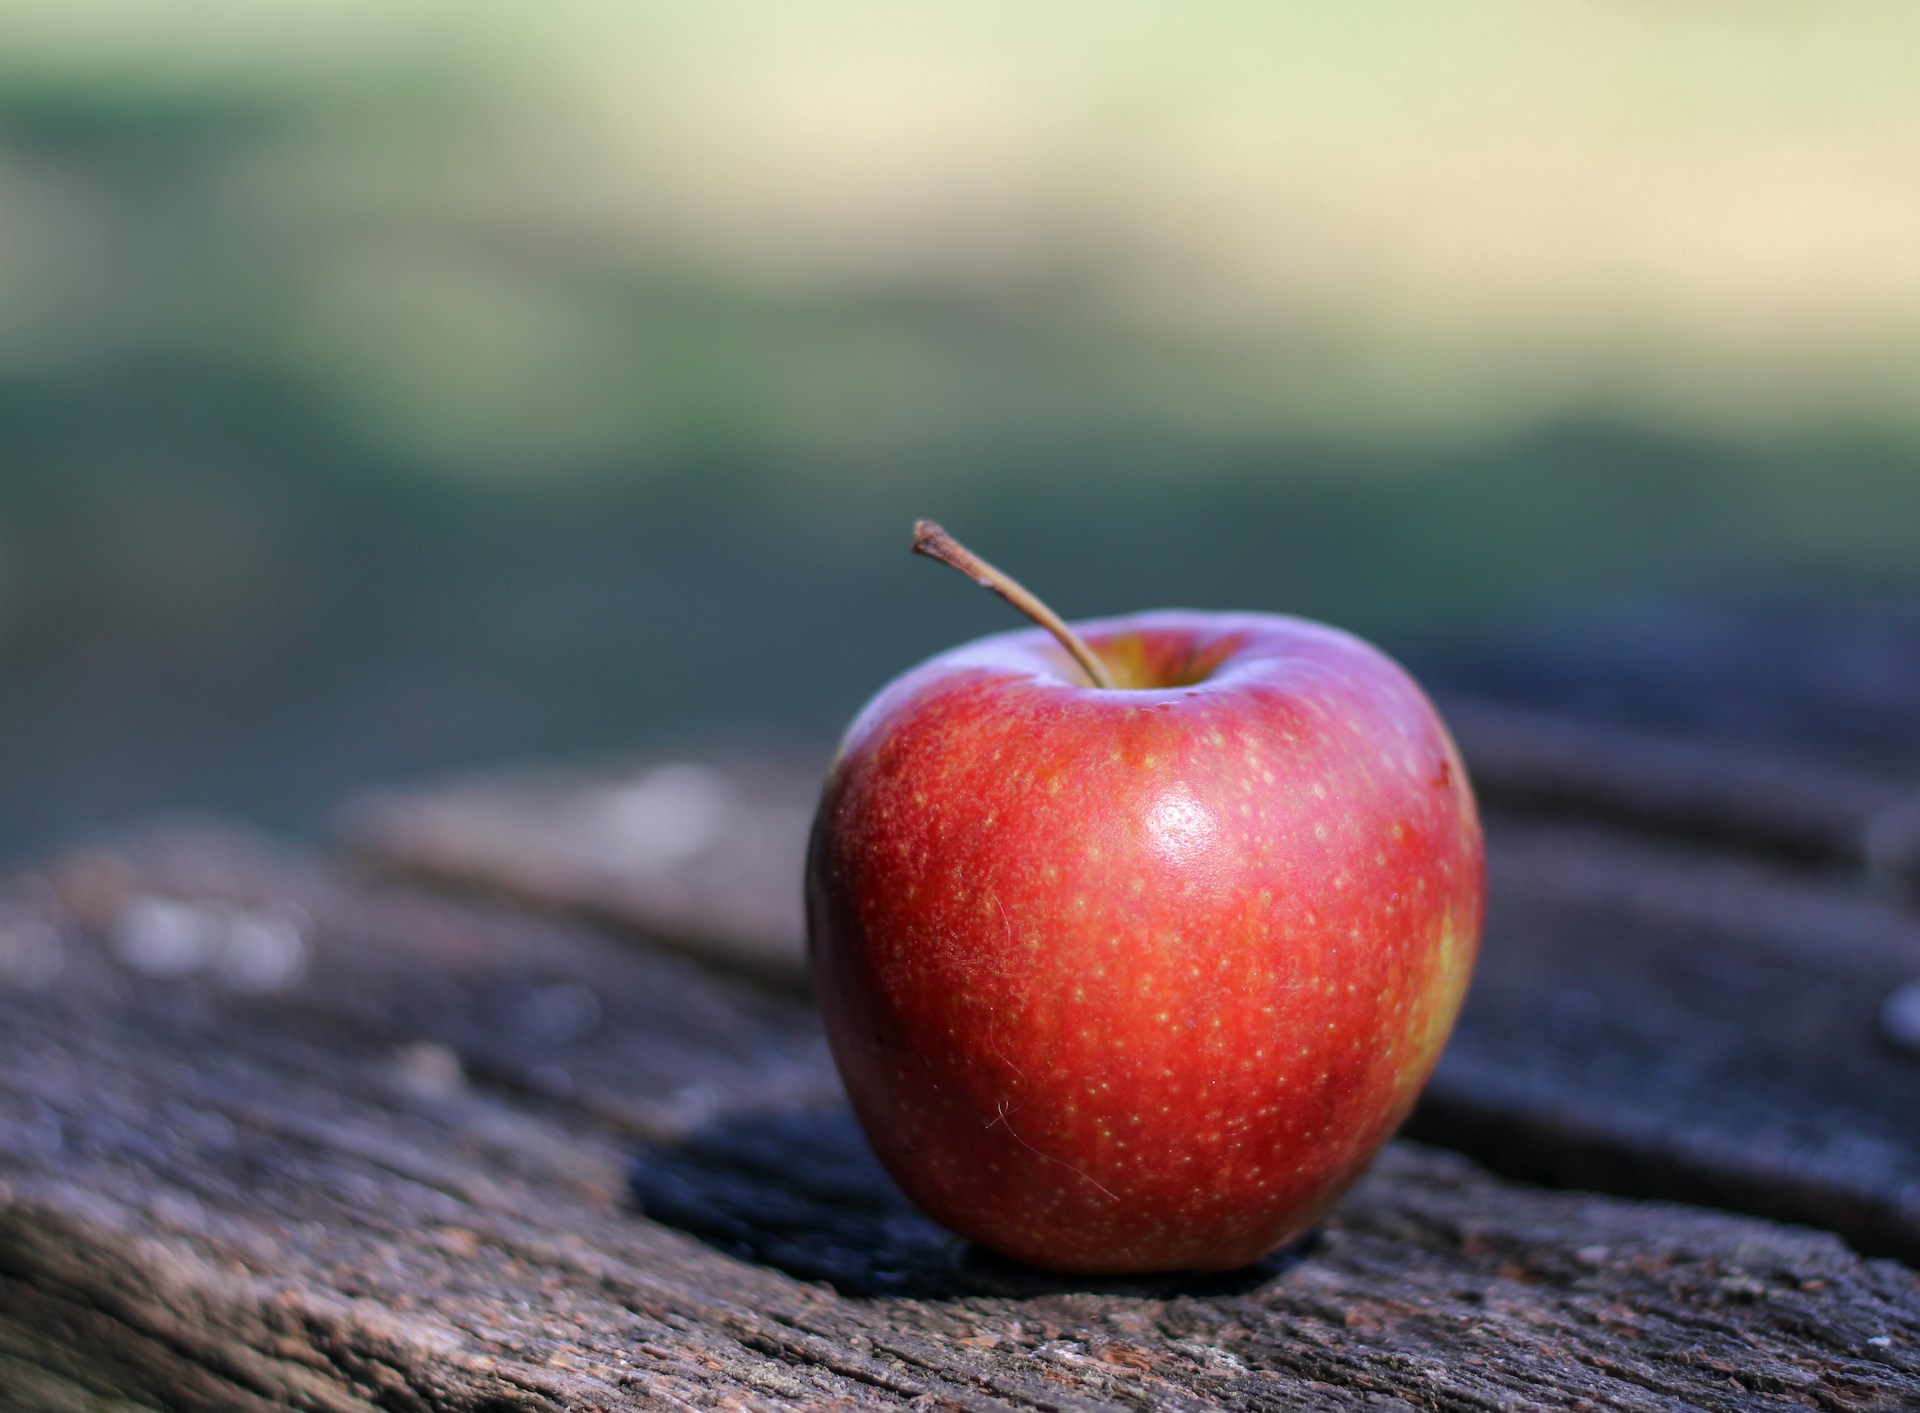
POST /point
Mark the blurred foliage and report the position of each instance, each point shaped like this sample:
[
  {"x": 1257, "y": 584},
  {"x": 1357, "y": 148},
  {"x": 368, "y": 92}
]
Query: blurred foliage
[{"x": 390, "y": 386}]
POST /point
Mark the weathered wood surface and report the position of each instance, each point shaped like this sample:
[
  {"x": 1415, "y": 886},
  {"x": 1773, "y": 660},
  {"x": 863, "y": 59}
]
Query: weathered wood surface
[
  {"x": 1753, "y": 797},
  {"x": 695, "y": 854},
  {"x": 1836, "y": 679},
  {"x": 1658, "y": 1021},
  {"x": 1775, "y": 721},
  {"x": 274, "y": 1137}
]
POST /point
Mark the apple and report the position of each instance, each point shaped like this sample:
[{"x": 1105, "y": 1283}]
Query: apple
[{"x": 1136, "y": 940}]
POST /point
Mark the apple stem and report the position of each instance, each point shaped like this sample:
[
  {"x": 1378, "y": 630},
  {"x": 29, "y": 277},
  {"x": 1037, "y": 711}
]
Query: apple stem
[{"x": 929, "y": 539}]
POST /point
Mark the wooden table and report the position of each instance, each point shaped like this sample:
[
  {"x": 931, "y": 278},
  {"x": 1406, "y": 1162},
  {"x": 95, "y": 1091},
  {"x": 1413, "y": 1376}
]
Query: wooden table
[{"x": 517, "y": 1101}]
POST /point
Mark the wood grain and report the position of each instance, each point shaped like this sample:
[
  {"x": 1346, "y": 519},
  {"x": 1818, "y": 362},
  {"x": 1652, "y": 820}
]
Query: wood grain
[{"x": 453, "y": 1156}]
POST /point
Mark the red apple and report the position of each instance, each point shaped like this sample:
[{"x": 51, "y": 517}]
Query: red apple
[{"x": 1139, "y": 977}]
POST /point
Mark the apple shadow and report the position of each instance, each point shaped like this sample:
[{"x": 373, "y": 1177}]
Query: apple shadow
[{"x": 799, "y": 1190}]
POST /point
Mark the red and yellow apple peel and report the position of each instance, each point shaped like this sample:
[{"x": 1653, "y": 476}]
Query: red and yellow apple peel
[{"x": 1134, "y": 942}]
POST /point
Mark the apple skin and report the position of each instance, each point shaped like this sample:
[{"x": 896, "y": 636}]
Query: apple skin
[{"x": 1139, "y": 980}]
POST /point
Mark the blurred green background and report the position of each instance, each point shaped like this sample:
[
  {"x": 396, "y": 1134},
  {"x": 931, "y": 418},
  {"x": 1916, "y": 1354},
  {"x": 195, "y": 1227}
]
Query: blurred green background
[{"x": 393, "y": 387}]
